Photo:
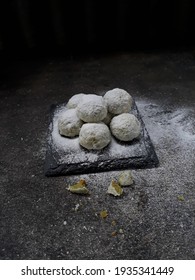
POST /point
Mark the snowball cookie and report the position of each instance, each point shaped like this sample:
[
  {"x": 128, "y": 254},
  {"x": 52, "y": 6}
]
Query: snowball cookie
[
  {"x": 74, "y": 100},
  {"x": 92, "y": 108},
  {"x": 125, "y": 127},
  {"x": 94, "y": 136},
  {"x": 118, "y": 101},
  {"x": 69, "y": 124}
]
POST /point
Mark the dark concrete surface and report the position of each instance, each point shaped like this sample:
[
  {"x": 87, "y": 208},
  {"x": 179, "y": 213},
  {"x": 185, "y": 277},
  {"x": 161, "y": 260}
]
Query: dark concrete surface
[{"x": 154, "y": 219}]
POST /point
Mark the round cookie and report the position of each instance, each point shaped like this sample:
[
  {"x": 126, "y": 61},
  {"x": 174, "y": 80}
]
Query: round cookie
[
  {"x": 118, "y": 101},
  {"x": 125, "y": 127},
  {"x": 75, "y": 100},
  {"x": 94, "y": 136},
  {"x": 69, "y": 124},
  {"x": 92, "y": 108}
]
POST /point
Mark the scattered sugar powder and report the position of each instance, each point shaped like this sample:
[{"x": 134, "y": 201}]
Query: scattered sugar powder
[
  {"x": 172, "y": 131},
  {"x": 169, "y": 123}
]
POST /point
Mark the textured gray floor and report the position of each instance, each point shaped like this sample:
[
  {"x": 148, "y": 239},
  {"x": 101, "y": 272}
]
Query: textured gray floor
[{"x": 155, "y": 219}]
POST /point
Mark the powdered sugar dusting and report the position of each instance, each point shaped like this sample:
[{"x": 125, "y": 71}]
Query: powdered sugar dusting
[
  {"x": 170, "y": 123},
  {"x": 172, "y": 131},
  {"x": 121, "y": 150}
]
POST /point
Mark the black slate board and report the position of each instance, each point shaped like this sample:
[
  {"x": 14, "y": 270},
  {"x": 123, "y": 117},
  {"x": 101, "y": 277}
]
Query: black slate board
[{"x": 138, "y": 153}]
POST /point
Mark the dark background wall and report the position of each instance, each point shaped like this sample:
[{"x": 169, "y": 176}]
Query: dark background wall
[{"x": 60, "y": 26}]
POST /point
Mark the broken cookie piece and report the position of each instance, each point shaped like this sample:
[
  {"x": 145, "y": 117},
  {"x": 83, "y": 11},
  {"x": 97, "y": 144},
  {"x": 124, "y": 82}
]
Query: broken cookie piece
[
  {"x": 125, "y": 178},
  {"x": 79, "y": 187},
  {"x": 115, "y": 189},
  {"x": 104, "y": 214}
]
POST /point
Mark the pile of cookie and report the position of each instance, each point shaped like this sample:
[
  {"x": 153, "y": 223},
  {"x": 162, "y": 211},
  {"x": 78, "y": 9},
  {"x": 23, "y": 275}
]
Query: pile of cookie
[{"x": 94, "y": 119}]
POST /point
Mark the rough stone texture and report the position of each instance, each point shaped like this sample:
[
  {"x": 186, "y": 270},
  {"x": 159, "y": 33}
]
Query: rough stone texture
[{"x": 38, "y": 217}]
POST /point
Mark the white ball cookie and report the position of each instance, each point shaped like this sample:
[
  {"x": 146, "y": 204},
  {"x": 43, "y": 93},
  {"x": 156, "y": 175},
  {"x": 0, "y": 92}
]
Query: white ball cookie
[
  {"x": 94, "y": 136},
  {"x": 69, "y": 124},
  {"x": 118, "y": 101},
  {"x": 75, "y": 100},
  {"x": 92, "y": 108},
  {"x": 125, "y": 127}
]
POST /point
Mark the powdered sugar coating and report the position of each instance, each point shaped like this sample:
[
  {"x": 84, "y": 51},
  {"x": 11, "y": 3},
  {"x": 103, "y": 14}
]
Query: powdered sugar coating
[
  {"x": 125, "y": 127},
  {"x": 94, "y": 136},
  {"x": 92, "y": 108},
  {"x": 75, "y": 100},
  {"x": 118, "y": 101},
  {"x": 69, "y": 124}
]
